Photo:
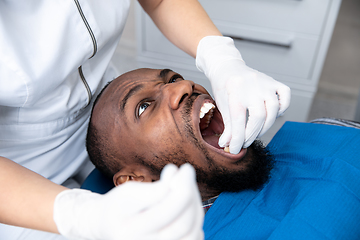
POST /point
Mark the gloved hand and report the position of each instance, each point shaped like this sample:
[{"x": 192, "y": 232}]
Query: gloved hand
[
  {"x": 167, "y": 209},
  {"x": 237, "y": 89}
]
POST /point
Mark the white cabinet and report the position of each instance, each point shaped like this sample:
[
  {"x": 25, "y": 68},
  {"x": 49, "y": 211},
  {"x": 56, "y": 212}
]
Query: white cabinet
[{"x": 286, "y": 39}]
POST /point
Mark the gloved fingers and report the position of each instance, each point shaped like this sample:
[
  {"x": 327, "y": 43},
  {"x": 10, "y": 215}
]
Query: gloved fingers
[
  {"x": 182, "y": 191},
  {"x": 138, "y": 196},
  {"x": 168, "y": 172},
  {"x": 272, "y": 108},
  {"x": 225, "y": 137},
  {"x": 193, "y": 215},
  {"x": 225, "y": 114},
  {"x": 196, "y": 234},
  {"x": 255, "y": 123},
  {"x": 197, "y": 229},
  {"x": 284, "y": 95},
  {"x": 166, "y": 203},
  {"x": 187, "y": 226},
  {"x": 166, "y": 220},
  {"x": 238, "y": 120}
]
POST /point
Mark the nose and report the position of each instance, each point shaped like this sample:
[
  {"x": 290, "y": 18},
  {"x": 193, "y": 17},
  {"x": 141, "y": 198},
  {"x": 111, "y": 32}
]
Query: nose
[{"x": 178, "y": 91}]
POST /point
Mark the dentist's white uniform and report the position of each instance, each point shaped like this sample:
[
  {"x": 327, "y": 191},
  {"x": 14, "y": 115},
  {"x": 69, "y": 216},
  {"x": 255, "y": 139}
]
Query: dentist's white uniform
[{"x": 54, "y": 57}]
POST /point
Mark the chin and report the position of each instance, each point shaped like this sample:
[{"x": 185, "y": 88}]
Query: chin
[{"x": 253, "y": 176}]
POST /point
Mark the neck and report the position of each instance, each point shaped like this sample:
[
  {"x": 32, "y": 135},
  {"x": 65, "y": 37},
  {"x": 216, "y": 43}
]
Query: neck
[{"x": 207, "y": 193}]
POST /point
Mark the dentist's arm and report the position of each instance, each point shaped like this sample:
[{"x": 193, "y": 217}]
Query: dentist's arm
[
  {"x": 132, "y": 211},
  {"x": 236, "y": 87},
  {"x": 26, "y": 198},
  {"x": 183, "y": 22}
]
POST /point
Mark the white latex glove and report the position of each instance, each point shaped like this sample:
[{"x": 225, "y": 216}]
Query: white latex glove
[
  {"x": 166, "y": 209},
  {"x": 238, "y": 88}
]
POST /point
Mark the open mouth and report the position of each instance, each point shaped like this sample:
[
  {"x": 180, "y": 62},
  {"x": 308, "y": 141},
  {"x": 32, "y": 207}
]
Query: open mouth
[{"x": 211, "y": 124}]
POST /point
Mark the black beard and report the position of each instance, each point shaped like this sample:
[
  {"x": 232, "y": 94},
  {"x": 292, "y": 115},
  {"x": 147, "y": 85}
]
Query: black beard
[{"x": 254, "y": 176}]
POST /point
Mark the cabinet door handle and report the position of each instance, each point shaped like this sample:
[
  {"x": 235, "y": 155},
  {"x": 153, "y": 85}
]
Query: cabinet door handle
[{"x": 269, "y": 39}]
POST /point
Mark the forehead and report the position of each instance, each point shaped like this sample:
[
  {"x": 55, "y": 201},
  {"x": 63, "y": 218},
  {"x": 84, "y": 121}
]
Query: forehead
[
  {"x": 129, "y": 83},
  {"x": 123, "y": 84},
  {"x": 118, "y": 92}
]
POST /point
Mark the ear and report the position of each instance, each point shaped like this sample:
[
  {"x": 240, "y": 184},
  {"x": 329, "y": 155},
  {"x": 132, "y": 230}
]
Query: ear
[{"x": 126, "y": 175}]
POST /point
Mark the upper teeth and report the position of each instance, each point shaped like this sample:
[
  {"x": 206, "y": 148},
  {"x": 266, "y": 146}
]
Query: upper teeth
[{"x": 206, "y": 108}]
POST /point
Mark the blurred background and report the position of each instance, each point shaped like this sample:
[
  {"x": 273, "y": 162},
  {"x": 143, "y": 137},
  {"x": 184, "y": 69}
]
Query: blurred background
[{"x": 339, "y": 82}]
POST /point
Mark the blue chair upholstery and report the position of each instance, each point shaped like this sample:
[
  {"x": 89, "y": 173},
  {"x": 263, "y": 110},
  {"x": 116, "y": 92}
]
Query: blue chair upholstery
[{"x": 97, "y": 182}]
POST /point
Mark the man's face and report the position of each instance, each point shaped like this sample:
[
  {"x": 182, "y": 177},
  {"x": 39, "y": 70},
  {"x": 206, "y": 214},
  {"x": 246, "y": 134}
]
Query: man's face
[{"x": 155, "y": 117}]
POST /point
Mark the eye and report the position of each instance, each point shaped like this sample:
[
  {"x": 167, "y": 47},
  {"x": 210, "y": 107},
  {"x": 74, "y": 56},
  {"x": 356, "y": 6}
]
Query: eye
[
  {"x": 142, "y": 107},
  {"x": 175, "y": 77}
]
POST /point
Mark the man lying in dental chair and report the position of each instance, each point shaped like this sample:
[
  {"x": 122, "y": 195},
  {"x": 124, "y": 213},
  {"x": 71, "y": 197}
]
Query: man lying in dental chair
[{"x": 304, "y": 185}]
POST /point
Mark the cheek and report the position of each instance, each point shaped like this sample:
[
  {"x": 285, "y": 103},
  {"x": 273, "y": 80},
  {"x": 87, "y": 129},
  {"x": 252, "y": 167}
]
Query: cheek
[
  {"x": 161, "y": 133},
  {"x": 159, "y": 143},
  {"x": 201, "y": 89}
]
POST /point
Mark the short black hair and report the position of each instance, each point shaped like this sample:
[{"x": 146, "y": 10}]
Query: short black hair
[{"x": 97, "y": 147}]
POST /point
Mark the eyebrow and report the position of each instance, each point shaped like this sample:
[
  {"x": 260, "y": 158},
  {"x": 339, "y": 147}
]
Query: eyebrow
[
  {"x": 137, "y": 88},
  {"x": 163, "y": 72},
  {"x": 132, "y": 91}
]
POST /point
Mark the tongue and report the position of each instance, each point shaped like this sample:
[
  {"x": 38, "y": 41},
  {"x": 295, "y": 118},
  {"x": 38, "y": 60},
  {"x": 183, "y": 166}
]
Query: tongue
[{"x": 212, "y": 140}]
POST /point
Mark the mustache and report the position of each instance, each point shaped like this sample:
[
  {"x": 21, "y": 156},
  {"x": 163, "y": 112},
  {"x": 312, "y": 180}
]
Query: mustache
[{"x": 189, "y": 104}]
